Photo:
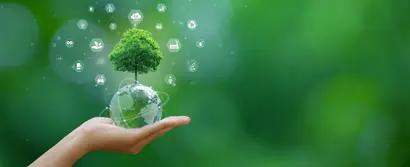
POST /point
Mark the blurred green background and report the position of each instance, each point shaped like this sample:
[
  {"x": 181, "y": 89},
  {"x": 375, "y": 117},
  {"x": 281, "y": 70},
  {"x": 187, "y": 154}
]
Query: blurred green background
[{"x": 280, "y": 83}]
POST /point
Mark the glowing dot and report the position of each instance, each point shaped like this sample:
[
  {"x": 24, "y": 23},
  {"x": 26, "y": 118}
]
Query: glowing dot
[{"x": 220, "y": 45}]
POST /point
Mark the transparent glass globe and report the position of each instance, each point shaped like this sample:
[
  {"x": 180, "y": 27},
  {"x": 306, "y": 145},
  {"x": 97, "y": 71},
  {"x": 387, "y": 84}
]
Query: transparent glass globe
[{"x": 135, "y": 106}]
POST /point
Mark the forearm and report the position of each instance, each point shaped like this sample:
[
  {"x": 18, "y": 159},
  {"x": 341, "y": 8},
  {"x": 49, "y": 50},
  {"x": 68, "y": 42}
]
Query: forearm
[{"x": 65, "y": 153}]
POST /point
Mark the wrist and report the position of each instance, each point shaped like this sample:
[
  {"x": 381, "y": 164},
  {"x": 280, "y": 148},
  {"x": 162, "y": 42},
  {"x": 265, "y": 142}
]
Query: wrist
[
  {"x": 65, "y": 153},
  {"x": 71, "y": 148},
  {"x": 76, "y": 145}
]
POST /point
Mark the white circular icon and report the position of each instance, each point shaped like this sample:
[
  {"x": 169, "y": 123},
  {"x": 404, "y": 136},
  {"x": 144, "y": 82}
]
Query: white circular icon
[
  {"x": 161, "y": 8},
  {"x": 96, "y": 45},
  {"x": 191, "y": 24},
  {"x": 200, "y": 43},
  {"x": 192, "y": 66},
  {"x": 91, "y": 9},
  {"x": 100, "y": 79},
  {"x": 174, "y": 45},
  {"x": 170, "y": 79},
  {"x": 69, "y": 43},
  {"x": 110, "y": 8},
  {"x": 113, "y": 26},
  {"x": 78, "y": 66},
  {"x": 158, "y": 26},
  {"x": 82, "y": 24},
  {"x": 135, "y": 17}
]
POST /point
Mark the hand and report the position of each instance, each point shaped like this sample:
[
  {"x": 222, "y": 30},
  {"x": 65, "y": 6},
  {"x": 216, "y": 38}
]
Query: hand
[{"x": 100, "y": 134}]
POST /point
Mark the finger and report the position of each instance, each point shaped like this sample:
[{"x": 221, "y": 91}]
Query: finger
[
  {"x": 105, "y": 120},
  {"x": 138, "y": 147},
  {"x": 151, "y": 138},
  {"x": 160, "y": 125},
  {"x": 101, "y": 120},
  {"x": 157, "y": 134}
]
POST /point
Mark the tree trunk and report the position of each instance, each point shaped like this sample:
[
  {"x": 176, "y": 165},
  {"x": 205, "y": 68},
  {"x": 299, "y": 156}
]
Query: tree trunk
[
  {"x": 136, "y": 72},
  {"x": 136, "y": 77}
]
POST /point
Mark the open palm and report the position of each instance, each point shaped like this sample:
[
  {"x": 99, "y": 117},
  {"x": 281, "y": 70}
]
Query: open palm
[{"x": 101, "y": 134}]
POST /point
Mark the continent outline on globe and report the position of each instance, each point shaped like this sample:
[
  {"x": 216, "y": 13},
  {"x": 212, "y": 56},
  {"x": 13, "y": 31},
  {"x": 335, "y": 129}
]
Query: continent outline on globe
[{"x": 135, "y": 106}]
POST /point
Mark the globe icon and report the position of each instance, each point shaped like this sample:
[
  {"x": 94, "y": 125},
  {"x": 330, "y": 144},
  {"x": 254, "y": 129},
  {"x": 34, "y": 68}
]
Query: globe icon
[{"x": 134, "y": 106}]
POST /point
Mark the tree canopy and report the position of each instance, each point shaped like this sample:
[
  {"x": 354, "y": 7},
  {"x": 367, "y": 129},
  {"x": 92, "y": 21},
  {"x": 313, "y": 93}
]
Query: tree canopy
[{"x": 136, "y": 52}]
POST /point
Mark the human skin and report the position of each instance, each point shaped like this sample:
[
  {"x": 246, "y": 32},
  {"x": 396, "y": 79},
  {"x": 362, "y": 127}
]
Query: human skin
[{"x": 100, "y": 134}]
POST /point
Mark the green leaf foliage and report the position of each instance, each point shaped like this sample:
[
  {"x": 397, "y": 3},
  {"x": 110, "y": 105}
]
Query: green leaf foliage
[{"x": 136, "y": 52}]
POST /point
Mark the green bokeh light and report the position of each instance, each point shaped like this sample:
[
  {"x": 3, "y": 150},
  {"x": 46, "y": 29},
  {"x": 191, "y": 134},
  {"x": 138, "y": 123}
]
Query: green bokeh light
[{"x": 279, "y": 83}]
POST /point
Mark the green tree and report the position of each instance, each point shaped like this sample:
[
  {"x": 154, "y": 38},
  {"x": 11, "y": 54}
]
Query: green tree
[{"x": 136, "y": 52}]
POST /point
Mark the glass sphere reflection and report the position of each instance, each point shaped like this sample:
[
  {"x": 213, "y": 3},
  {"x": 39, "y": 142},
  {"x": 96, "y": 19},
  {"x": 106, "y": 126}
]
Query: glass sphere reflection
[{"x": 135, "y": 106}]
